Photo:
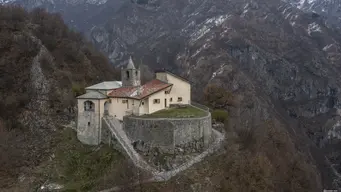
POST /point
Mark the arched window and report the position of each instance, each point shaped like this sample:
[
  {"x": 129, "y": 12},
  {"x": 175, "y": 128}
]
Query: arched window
[
  {"x": 127, "y": 72},
  {"x": 89, "y": 106},
  {"x": 106, "y": 107}
]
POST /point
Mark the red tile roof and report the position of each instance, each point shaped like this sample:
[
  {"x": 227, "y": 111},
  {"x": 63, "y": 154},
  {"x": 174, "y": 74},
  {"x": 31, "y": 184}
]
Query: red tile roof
[{"x": 147, "y": 89}]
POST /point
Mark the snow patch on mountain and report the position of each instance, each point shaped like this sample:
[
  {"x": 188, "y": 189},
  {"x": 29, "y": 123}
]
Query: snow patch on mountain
[
  {"x": 327, "y": 47},
  {"x": 208, "y": 25},
  {"x": 205, "y": 46},
  {"x": 313, "y": 27},
  {"x": 96, "y": 2},
  {"x": 217, "y": 72},
  {"x": 72, "y": 2},
  {"x": 6, "y": 1},
  {"x": 93, "y": 2},
  {"x": 330, "y": 9}
]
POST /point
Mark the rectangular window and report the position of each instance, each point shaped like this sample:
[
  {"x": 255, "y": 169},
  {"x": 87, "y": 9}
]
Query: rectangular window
[
  {"x": 142, "y": 103},
  {"x": 167, "y": 92},
  {"x": 156, "y": 101},
  {"x": 171, "y": 99},
  {"x": 124, "y": 101},
  {"x": 179, "y": 98}
]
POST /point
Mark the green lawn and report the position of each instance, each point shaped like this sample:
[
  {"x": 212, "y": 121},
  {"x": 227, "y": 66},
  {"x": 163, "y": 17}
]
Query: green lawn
[{"x": 186, "y": 112}]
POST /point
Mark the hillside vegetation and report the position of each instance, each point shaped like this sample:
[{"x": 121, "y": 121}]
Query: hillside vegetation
[
  {"x": 262, "y": 160},
  {"x": 43, "y": 66}
]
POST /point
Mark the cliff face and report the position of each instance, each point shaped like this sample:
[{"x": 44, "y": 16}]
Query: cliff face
[{"x": 43, "y": 66}]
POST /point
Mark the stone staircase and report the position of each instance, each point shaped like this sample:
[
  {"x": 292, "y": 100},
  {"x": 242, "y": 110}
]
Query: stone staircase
[
  {"x": 166, "y": 175},
  {"x": 116, "y": 129}
]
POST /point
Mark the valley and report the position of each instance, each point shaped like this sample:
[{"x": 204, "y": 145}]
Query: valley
[{"x": 272, "y": 65}]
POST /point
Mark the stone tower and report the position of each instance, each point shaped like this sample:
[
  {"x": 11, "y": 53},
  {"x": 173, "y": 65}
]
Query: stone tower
[{"x": 130, "y": 75}]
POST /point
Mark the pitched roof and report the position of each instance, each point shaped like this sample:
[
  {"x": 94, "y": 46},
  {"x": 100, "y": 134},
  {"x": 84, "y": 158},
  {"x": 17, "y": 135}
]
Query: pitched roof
[
  {"x": 166, "y": 71},
  {"x": 130, "y": 64},
  {"x": 92, "y": 95},
  {"x": 106, "y": 85},
  {"x": 140, "y": 92}
]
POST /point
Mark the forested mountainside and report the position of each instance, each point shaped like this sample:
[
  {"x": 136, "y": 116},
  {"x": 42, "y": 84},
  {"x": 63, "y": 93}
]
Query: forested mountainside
[
  {"x": 43, "y": 66},
  {"x": 277, "y": 64},
  {"x": 278, "y": 60}
]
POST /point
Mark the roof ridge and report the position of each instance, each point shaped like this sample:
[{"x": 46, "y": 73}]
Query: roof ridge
[{"x": 148, "y": 89}]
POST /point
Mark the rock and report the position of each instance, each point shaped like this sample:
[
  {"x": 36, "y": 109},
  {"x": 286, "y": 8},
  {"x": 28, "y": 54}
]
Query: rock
[
  {"x": 51, "y": 187},
  {"x": 198, "y": 146},
  {"x": 21, "y": 178}
]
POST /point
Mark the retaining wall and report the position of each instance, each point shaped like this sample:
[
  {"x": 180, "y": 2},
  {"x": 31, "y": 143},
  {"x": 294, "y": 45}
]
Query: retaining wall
[{"x": 168, "y": 134}]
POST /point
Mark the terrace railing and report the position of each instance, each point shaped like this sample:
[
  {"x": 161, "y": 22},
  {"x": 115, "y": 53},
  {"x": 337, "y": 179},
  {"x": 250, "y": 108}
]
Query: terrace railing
[{"x": 200, "y": 106}]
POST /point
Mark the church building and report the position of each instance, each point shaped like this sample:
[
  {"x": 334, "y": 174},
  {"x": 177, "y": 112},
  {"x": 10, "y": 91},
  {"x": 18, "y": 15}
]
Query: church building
[{"x": 129, "y": 97}]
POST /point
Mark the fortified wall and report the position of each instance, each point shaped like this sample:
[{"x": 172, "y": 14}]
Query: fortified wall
[{"x": 170, "y": 135}]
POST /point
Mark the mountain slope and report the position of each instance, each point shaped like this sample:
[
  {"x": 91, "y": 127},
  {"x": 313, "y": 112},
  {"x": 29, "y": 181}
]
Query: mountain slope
[
  {"x": 43, "y": 65},
  {"x": 78, "y": 14},
  {"x": 279, "y": 62},
  {"x": 330, "y": 9}
]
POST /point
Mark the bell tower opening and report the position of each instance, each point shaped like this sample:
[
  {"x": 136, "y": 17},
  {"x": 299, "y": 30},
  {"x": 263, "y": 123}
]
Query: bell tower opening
[{"x": 130, "y": 75}]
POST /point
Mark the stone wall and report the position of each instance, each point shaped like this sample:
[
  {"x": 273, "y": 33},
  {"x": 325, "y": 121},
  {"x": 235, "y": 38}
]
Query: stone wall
[
  {"x": 88, "y": 129},
  {"x": 152, "y": 133},
  {"x": 191, "y": 129},
  {"x": 107, "y": 137},
  {"x": 169, "y": 134}
]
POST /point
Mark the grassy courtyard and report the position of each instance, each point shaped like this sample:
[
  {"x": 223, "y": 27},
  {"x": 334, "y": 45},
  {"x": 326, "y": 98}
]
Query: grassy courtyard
[{"x": 181, "y": 112}]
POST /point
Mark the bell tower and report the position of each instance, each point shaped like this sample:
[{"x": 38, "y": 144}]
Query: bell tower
[{"x": 130, "y": 76}]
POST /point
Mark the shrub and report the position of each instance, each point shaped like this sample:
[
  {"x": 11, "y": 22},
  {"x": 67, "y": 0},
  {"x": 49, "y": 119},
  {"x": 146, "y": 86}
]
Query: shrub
[
  {"x": 78, "y": 89},
  {"x": 220, "y": 115},
  {"x": 217, "y": 97},
  {"x": 246, "y": 138}
]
